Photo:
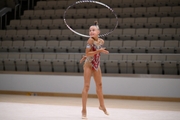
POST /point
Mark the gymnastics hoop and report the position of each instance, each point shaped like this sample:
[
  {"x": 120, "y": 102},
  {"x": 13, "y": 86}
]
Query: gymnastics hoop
[{"x": 90, "y": 1}]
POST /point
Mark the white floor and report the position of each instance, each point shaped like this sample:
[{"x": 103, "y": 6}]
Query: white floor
[{"x": 14, "y": 107}]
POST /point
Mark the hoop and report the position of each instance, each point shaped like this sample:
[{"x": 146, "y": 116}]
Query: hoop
[{"x": 90, "y": 1}]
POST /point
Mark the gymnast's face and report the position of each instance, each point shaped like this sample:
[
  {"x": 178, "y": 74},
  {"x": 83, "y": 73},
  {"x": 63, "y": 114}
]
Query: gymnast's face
[{"x": 94, "y": 31}]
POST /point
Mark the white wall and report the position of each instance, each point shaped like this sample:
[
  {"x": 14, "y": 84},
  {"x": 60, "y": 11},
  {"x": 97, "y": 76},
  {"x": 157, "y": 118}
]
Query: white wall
[{"x": 119, "y": 85}]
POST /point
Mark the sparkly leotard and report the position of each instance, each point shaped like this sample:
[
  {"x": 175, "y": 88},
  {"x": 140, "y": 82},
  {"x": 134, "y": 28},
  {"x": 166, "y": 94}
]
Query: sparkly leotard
[{"x": 95, "y": 60}]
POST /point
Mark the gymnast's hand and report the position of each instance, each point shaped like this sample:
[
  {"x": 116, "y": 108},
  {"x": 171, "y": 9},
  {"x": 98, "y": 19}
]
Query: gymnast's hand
[
  {"x": 103, "y": 50},
  {"x": 82, "y": 59}
]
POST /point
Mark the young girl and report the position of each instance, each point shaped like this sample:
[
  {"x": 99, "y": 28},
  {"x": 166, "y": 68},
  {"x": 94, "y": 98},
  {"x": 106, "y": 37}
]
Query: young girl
[{"x": 92, "y": 67}]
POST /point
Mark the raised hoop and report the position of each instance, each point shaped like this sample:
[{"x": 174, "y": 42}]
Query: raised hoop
[{"x": 90, "y": 1}]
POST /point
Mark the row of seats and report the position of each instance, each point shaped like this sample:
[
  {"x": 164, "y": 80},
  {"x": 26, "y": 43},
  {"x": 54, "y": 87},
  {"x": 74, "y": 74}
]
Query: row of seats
[
  {"x": 109, "y": 23},
  {"x": 112, "y": 63},
  {"x": 103, "y": 13},
  {"x": 115, "y": 46},
  {"x": 66, "y": 34},
  {"x": 112, "y": 3}
]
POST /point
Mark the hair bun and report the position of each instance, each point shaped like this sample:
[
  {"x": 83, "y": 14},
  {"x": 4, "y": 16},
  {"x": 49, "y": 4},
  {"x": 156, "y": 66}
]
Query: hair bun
[{"x": 95, "y": 22}]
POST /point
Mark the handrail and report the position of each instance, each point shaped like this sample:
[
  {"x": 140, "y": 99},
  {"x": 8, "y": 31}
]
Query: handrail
[{"x": 5, "y": 10}]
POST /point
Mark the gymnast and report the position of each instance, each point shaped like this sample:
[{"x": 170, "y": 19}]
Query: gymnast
[{"x": 92, "y": 67}]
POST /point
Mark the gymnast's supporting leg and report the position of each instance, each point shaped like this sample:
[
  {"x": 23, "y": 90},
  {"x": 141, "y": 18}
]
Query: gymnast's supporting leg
[
  {"x": 98, "y": 80},
  {"x": 87, "y": 78}
]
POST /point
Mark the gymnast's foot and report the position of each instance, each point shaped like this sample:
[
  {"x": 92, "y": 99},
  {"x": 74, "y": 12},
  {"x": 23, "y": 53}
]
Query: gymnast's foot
[
  {"x": 104, "y": 110},
  {"x": 84, "y": 114}
]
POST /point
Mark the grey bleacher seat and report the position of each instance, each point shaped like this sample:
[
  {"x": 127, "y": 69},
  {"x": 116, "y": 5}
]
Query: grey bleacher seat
[
  {"x": 59, "y": 62},
  {"x": 150, "y": 3},
  {"x": 48, "y": 14},
  {"x": 13, "y": 24},
  {"x": 90, "y": 21},
  {"x": 25, "y": 24},
  {"x": 153, "y": 22},
  {"x": 155, "y": 67},
  {"x": 106, "y": 44},
  {"x": 51, "y": 4},
  {"x": 39, "y": 46},
  {"x": 152, "y": 11},
  {"x": 58, "y": 14},
  {"x": 114, "y": 4},
  {"x": 16, "y": 46},
  {"x": 5, "y": 46},
  {"x": 176, "y": 23},
  {"x": 40, "y": 5},
  {"x": 140, "y": 22},
  {"x": 140, "y": 65},
  {"x": 45, "y": 24},
  {"x": 141, "y": 34},
  {"x": 127, "y": 22},
  {"x": 38, "y": 14},
  {"x": 33, "y": 62},
  {"x": 65, "y": 34},
  {"x": 62, "y": 4},
  {"x": 116, "y": 34},
  {"x": 126, "y": 65},
  {"x": 114, "y": 46},
  {"x": 177, "y": 36},
  {"x": 155, "y": 46},
  {"x": 141, "y": 46},
  {"x": 2, "y": 34},
  {"x": 71, "y": 22},
  {"x": 128, "y": 34},
  {"x": 28, "y": 14},
  {"x": 71, "y": 14},
  {"x": 127, "y": 3},
  {"x": 104, "y": 22},
  {"x": 42, "y": 34},
  {"x": 170, "y": 67},
  {"x": 71, "y": 65},
  {"x": 174, "y": 2},
  {"x": 168, "y": 34},
  {"x": 10, "y": 34},
  {"x": 172, "y": 57},
  {"x": 54, "y": 34},
  {"x": 2, "y": 57},
  {"x": 35, "y": 23},
  {"x": 58, "y": 24},
  {"x": 76, "y": 46},
  {"x": 140, "y": 3},
  {"x": 82, "y": 13},
  {"x": 20, "y": 35},
  {"x": 9, "y": 63},
  {"x": 154, "y": 33},
  {"x": 112, "y": 66},
  {"x": 175, "y": 11},
  {"x": 118, "y": 11},
  {"x": 162, "y": 3},
  {"x": 51, "y": 46},
  {"x": 31, "y": 34},
  {"x": 78, "y": 66},
  {"x": 46, "y": 63},
  {"x": 105, "y": 13},
  {"x": 170, "y": 46},
  {"x": 127, "y": 12},
  {"x": 128, "y": 46},
  {"x": 28, "y": 45},
  {"x": 63, "y": 46},
  {"x": 81, "y": 23},
  {"x": 103, "y": 59},
  {"x": 139, "y": 12},
  {"x": 166, "y": 22},
  {"x": 21, "y": 63},
  {"x": 164, "y": 11},
  {"x": 92, "y": 13},
  {"x": 158, "y": 57}
]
